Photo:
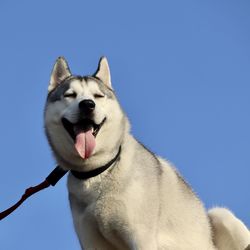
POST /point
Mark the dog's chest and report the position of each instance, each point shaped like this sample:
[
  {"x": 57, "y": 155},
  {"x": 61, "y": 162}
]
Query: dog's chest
[
  {"x": 84, "y": 193},
  {"x": 97, "y": 210}
]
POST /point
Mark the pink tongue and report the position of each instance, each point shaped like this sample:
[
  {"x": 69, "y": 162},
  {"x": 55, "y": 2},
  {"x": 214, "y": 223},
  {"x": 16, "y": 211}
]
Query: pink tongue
[{"x": 85, "y": 144}]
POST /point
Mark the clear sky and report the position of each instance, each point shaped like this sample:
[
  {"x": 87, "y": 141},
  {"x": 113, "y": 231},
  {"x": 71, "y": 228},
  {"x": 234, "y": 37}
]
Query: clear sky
[{"x": 181, "y": 71}]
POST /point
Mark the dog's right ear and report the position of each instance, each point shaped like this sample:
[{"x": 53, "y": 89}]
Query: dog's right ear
[
  {"x": 59, "y": 73},
  {"x": 103, "y": 72}
]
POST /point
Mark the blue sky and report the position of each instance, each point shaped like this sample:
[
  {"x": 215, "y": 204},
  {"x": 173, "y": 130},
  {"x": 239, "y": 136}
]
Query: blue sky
[{"x": 181, "y": 71}]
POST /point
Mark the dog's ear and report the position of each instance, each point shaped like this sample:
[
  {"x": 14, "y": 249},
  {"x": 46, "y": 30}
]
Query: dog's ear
[
  {"x": 59, "y": 73},
  {"x": 103, "y": 72}
]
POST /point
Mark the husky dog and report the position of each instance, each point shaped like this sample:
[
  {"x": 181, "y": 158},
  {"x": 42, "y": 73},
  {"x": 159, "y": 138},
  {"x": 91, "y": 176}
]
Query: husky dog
[{"x": 122, "y": 196}]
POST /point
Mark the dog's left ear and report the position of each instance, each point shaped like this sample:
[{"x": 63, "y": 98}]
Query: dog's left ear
[
  {"x": 59, "y": 73},
  {"x": 103, "y": 72}
]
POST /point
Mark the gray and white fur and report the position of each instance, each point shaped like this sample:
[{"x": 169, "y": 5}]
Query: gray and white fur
[{"x": 141, "y": 201}]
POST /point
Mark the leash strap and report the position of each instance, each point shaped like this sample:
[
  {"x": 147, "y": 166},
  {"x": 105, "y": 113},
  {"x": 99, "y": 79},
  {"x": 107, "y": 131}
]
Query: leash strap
[{"x": 51, "y": 179}]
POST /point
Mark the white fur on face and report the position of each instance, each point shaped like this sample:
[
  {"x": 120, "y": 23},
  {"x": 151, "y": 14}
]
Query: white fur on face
[
  {"x": 68, "y": 107},
  {"x": 84, "y": 91}
]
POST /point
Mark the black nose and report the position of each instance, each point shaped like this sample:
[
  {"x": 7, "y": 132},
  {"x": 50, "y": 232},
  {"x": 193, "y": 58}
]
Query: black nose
[{"x": 87, "y": 106}]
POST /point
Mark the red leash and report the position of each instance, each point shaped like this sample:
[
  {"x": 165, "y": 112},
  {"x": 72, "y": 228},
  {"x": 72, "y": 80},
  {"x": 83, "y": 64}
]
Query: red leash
[{"x": 51, "y": 179}]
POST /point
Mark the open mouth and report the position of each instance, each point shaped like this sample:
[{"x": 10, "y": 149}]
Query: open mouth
[
  {"x": 83, "y": 134},
  {"x": 83, "y": 125}
]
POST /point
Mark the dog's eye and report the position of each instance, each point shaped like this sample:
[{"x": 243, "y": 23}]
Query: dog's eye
[
  {"x": 98, "y": 95},
  {"x": 70, "y": 95}
]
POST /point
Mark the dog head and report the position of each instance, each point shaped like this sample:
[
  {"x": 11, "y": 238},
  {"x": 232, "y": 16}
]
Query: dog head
[{"x": 84, "y": 123}]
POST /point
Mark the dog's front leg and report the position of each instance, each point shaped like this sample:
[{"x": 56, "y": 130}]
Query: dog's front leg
[
  {"x": 126, "y": 240},
  {"x": 117, "y": 226}
]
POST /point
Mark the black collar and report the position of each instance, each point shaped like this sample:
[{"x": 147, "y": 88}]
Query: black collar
[{"x": 96, "y": 171}]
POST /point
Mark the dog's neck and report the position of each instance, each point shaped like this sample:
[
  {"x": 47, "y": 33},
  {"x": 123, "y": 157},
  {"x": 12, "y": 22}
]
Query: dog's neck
[{"x": 92, "y": 173}]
